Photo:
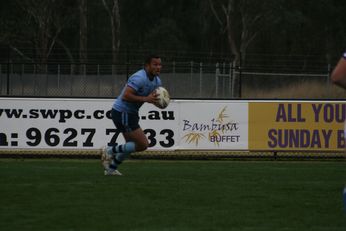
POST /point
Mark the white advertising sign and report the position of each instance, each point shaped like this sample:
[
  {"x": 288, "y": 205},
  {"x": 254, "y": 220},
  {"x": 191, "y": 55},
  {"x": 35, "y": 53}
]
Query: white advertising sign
[
  {"x": 214, "y": 125},
  {"x": 52, "y": 123},
  {"x": 76, "y": 124}
]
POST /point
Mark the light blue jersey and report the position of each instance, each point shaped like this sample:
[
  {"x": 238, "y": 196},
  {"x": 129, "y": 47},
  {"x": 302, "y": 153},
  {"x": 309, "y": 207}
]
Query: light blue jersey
[{"x": 143, "y": 86}]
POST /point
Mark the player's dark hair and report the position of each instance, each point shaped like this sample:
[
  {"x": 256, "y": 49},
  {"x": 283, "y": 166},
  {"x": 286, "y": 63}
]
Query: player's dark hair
[{"x": 150, "y": 57}]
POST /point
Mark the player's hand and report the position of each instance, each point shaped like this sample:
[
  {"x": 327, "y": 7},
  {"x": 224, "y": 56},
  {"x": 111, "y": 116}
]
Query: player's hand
[{"x": 152, "y": 97}]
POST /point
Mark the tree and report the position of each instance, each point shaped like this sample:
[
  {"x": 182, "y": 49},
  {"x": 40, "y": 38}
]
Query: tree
[
  {"x": 38, "y": 30},
  {"x": 255, "y": 17},
  {"x": 113, "y": 10},
  {"x": 83, "y": 35},
  {"x": 14, "y": 30},
  {"x": 225, "y": 16},
  {"x": 242, "y": 20},
  {"x": 47, "y": 18}
]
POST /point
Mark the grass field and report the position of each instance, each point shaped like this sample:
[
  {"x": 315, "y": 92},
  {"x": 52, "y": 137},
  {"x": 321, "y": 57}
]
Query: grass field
[{"x": 172, "y": 195}]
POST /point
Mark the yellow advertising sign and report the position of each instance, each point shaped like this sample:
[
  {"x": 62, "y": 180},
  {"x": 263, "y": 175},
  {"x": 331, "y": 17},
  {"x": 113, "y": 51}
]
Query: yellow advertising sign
[{"x": 313, "y": 125}]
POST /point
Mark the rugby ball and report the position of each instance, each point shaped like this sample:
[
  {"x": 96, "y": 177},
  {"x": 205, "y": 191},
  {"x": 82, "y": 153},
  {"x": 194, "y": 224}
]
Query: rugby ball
[{"x": 163, "y": 97}]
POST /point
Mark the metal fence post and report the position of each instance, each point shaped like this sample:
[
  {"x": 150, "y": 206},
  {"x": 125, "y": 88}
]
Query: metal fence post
[
  {"x": 191, "y": 75},
  {"x": 71, "y": 79},
  {"x": 233, "y": 76},
  {"x": 328, "y": 73},
  {"x": 173, "y": 68},
  {"x": 240, "y": 77},
  {"x": 8, "y": 72},
  {"x": 58, "y": 76},
  {"x": 224, "y": 80},
  {"x": 47, "y": 79},
  {"x": 127, "y": 62},
  {"x": 84, "y": 78},
  {"x": 217, "y": 73},
  {"x": 1, "y": 79},
  {"x": 200, "y": 78}
]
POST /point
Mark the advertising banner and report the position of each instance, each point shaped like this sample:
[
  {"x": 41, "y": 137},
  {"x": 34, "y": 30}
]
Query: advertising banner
[
  {"x": 76, "y": 124},
  {"x": 311, "y": 126},
  {"x": 48, "y": 123},
  {"x": 220, "y": 125}
]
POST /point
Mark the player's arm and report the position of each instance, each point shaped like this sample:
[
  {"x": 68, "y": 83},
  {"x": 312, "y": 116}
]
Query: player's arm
[
  {"x": 339, "y": 73},
  {"x": 131, "y": 96}
]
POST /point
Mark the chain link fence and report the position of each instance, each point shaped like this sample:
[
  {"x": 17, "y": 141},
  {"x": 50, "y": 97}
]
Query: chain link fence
[
  {"x": 186, "y": 74},
  {"x": 182, "y": 79}
]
